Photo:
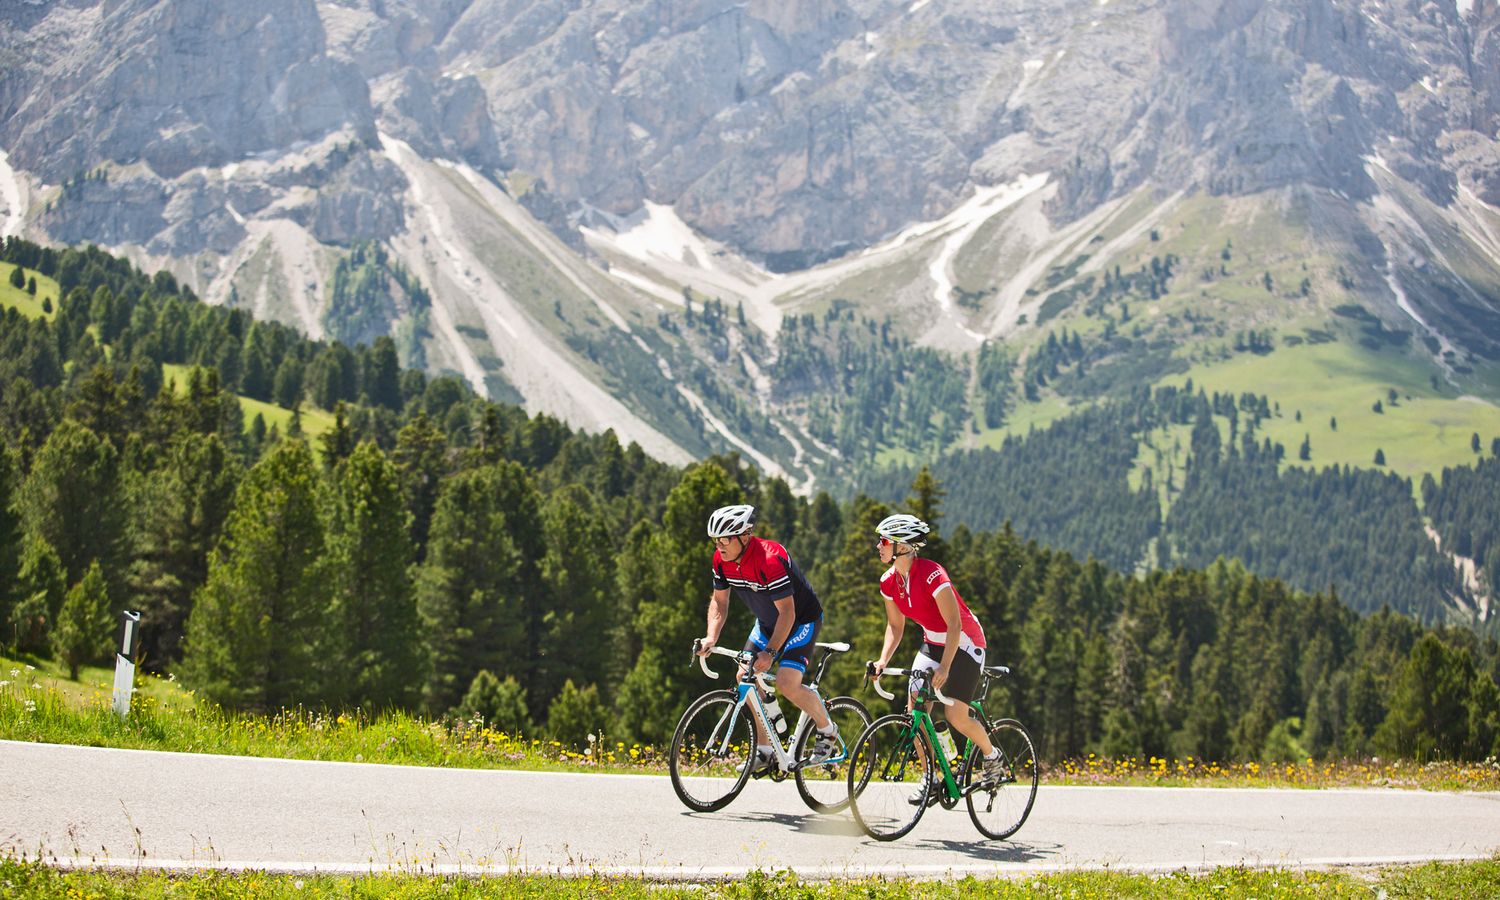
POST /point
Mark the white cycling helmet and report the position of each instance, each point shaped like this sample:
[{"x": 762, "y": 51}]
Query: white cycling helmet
[
  {"x": 728, "y": 521},
  {"x": 903, "y": 529}
]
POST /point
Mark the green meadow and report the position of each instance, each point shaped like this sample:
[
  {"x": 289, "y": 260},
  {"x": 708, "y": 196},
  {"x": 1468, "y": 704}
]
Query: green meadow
[
  {"x": 1334, "y": 387},
  {"x": 18, "y": 298},
  {"x": 315, "y": 422}
]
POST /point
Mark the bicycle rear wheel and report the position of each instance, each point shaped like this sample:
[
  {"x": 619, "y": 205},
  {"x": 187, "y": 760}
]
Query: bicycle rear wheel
[
  {"x": 999, "y": 808},
  {"x": 891, "y": 761},
  {"x": 712, "y": 751},
  {"x": 825, "y": 787}
]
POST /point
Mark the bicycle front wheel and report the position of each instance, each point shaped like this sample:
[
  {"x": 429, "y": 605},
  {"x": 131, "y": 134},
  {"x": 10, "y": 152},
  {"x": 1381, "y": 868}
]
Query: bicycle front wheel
[
  {"x": 999, "y": 807},
  {"x": 825, "y": 787},
  {"x": 712, "y": 751},
  {"x": 892, "y": 765}
]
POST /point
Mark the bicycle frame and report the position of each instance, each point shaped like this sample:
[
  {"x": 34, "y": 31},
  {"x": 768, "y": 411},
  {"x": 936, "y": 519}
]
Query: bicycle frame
[
  {"x": 747, "y": 693},
  {"x": 921, "y": 720}
]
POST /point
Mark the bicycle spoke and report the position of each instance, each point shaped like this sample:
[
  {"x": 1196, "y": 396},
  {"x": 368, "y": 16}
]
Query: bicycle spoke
[
  {"x": 888, "y": 771},
  {"x": 999, "y": 806},
  {"x": 711, "y": 752},
  {"x": 825, "y": 786}
]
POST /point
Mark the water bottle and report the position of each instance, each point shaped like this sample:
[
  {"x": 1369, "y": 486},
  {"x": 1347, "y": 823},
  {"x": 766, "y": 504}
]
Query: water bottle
[{"x": 773, "y": 712}]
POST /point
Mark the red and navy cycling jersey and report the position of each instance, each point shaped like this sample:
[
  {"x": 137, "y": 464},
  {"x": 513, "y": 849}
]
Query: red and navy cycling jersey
[{"x": 763, "y": 574}]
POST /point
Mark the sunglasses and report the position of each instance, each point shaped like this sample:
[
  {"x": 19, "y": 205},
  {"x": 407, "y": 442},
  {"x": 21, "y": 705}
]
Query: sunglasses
[{"x": 883, "y": 541}]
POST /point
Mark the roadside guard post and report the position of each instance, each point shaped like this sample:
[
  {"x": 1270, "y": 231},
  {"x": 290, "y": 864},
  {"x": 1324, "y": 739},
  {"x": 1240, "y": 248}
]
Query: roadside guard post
[{"x": 130, "y": 637}]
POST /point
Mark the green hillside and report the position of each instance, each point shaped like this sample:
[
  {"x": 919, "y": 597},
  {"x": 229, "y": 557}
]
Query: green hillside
[{"x": 30, "y": 305}]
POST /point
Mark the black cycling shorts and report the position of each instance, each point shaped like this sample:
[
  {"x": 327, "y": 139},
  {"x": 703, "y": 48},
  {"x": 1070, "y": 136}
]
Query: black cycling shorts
[{"x": 963, "y": 675}]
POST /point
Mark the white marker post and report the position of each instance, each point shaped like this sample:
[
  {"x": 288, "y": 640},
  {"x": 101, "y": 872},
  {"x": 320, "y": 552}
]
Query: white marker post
[{"x": 130, "y": 630}]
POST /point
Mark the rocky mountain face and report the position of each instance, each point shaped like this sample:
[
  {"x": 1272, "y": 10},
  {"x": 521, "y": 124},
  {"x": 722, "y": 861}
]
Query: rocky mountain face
[{"x": 561, "y": 174}]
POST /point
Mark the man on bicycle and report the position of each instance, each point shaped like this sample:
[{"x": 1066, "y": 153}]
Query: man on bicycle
[
  {"x": 953, "y": 643},
  {"x": 787, "y": 614}
]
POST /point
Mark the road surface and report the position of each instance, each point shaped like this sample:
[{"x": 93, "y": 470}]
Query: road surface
[{"x": 90, "y": 806}]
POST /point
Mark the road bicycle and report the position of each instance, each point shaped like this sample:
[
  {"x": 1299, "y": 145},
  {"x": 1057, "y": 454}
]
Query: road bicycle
[
  {"x": 895, "y": 775},
  {"x": 713, "y": 757}
]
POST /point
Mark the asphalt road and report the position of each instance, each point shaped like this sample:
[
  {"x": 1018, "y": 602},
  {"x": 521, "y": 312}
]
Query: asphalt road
[{"x": 90, "y": 806}]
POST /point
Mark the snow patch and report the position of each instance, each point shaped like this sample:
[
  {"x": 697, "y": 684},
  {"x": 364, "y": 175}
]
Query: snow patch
[
  {"x": 1464, "y": 7},
  {"x": 10, "y": 196},
  {"x": 655, "y": 289},
  {"x": 658, "y": 233},
  {"x": 917, "y": 5},
  {"x": 966, "y": 220}
]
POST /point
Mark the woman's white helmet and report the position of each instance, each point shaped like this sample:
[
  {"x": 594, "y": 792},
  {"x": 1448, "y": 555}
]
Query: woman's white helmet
[
  {"x": 728, "y": 521},
  {"x": 903, "y": 529}
]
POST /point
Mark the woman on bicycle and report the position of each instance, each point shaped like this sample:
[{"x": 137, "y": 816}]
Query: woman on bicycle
[{"x": 953, "y": 643}]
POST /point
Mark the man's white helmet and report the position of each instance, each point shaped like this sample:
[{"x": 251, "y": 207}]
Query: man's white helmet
[
  {"x": 904, "y": 529},
  {"x": 728, "y": 521}
]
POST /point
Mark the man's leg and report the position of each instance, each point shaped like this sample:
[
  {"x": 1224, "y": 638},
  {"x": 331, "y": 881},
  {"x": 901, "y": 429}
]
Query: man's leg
[{"x": 789, "y": 683}]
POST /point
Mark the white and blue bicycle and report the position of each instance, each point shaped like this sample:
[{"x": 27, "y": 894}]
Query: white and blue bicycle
[{"x": 713, "y": 756}]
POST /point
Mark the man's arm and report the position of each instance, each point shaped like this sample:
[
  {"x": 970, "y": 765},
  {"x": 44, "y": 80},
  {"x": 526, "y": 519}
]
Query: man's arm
[
  {"x": 786, "y": 617},
  {"x": 718, "y": 612}
]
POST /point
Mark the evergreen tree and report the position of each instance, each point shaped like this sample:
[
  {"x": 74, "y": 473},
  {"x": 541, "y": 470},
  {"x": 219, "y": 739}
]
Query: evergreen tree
[
  {"x": 10, "y": 546},
  {"x": 1429, "y": 714},
  {"x": 259, "y": 636},
  {"x": 84, "y": 629},
  {"x": 470, "y": 610},
  {"x": 1379, "y": 457},
  {"x": 580, "y": 627},
  {"x": 670, "y": 589},
  {"x": 374, "y": 606},
  {"x": 576, "y": 715},
  {"x": 925, "y": 502},
  {"x": 41, "y": 585},
  {"x": 420, "y": 459},
  {"x": 177, "y": 512},
  {"x": 17, "y": 277},
  {"x": 501, "y": 704},
  {"x": 71, "y": 500}
]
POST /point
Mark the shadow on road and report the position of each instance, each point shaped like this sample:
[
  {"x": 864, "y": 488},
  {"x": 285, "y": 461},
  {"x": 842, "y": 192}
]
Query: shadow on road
[
  {"x": 805, "y": 823},
  {"x": 987, "y": 851}
]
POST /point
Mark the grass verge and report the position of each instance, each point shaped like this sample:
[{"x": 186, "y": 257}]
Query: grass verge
[{"x": 33, "y": 881}]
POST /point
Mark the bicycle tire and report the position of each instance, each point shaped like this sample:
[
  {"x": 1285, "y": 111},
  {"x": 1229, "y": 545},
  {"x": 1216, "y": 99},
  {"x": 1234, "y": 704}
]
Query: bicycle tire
[
  {"x": 1005, "y": 806},
  {"x": 705, "y": 777},
  {"x": 887, "y": 767},
  {"x": 814, "y": 782}
]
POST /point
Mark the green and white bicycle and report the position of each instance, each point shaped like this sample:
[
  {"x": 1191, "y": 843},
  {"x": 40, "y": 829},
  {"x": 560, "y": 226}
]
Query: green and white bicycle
[
  {"x": 713, "y": 757},
  {"x": 896, "y": 775}
]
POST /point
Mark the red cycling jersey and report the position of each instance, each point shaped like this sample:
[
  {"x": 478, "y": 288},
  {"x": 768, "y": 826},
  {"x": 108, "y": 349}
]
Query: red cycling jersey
[{"x": 914, "y": 597}]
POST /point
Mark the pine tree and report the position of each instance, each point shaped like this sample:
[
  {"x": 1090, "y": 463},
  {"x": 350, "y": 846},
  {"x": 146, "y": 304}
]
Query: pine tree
[
  {"x": 374, "y": 605},
  {"x": 70, "y": 499},
  {"x": 41, "y": 585},
  {"x": 580, "y": 627},
  {"x": 10, "y": 545},
  {"x": 576, "y": 715},
  {"x": 84, "y": 624},
  {"x": 667, "y": 580},
  {"x": 259, "y": 636},
  {"x": 177, "y": 513},
  {"x": 471, "y": 614},
  {"x": 1379, "y": 457},
  {"x": 501, "y": 704},
  {"x": 17, "y": 277},
  {"x": 1304, "y": 452},
  {"x": 925, "y": 502},
  {"x": 420, "y": 459}
]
